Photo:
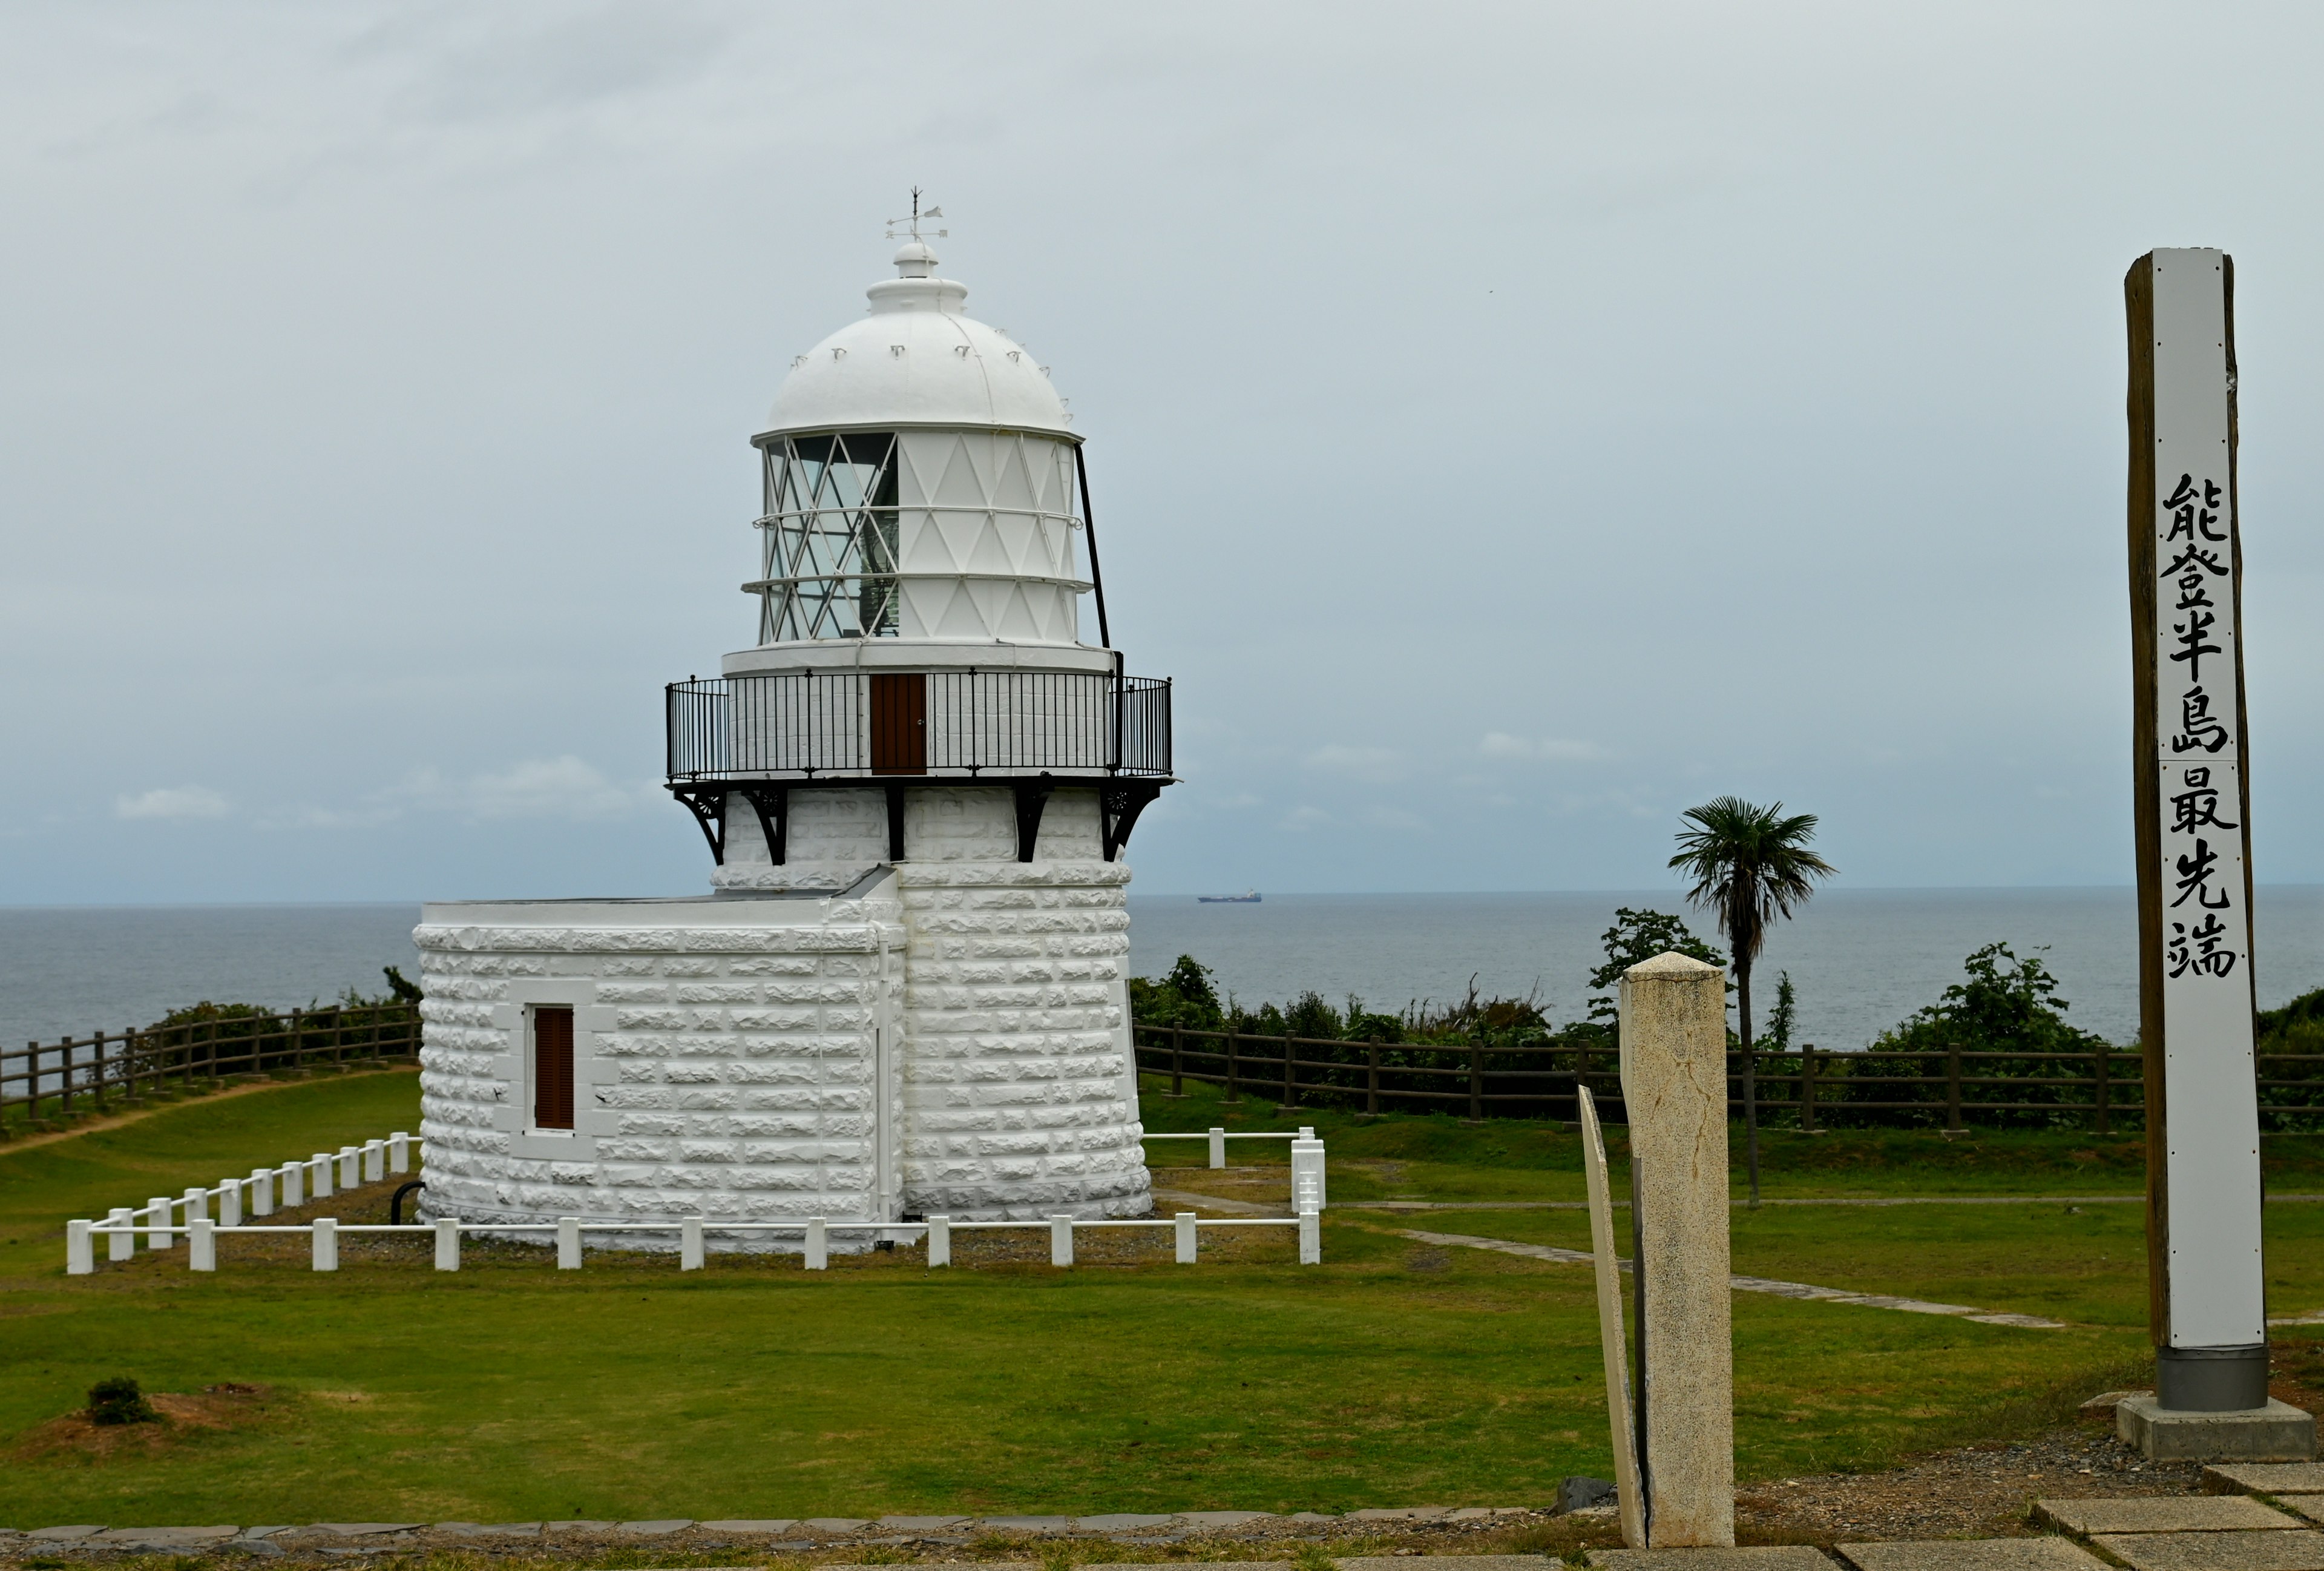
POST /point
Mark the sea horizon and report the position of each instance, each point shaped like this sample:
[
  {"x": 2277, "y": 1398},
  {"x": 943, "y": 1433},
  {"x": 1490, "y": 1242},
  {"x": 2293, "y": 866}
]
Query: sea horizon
[{"x": 1862, "y": 959}]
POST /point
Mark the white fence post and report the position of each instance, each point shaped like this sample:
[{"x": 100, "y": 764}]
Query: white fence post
[
  {"x": 569, "y": 1243},
  {"x": 818, "y": 1245},
  {"x": 294, "y": 1192},
  {"x": 1061, "y": 1240},
  {"x": 327, "y": 1243},
  {"x": 1185, "y": 1230},
  {"x": 1307, "y": 1173},
  {"x": 121, "y": 1243},
  {"x": 689, "y": 1244},
  {"x": 319, "y": 1175},
  {"x": 374, "y": 1156},
  {"x": 939, "y": 1240},
  {"x": 201, "y": 1246},
  {"x": 262, "y": 1192},
  {"x": 350, "y": 1165},
  {"x": 198, "y": 1204},
  {"x": 229, "y": 1196},
  {"x": 157, "y": 1231},
  {"x": 447, "y": 1243},
  {"x": 1218, "y": 1148},
  {"x": 1311, "y": 1239},
  {"x": 399, "y": 1152},
  {"x": 80, "y": 1253}
]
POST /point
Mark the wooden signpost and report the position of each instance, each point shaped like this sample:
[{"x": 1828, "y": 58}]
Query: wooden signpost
[{"x": 2193, "y": 805}]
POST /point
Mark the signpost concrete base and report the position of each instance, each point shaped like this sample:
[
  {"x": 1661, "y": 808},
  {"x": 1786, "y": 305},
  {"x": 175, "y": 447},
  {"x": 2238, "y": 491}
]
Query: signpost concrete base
[{"x": 2278, "y": 1432}]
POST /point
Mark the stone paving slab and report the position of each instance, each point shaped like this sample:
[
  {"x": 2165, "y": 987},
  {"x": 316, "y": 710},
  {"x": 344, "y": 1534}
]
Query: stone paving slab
[
  {"x": 2268, "y": 1477},
  {"x": 1749, "y": 1558},
  {"x": 1237, "y": 1518},
  {"x": 1121, "y": 1522},
  {"x": 579, "y": 1527},
  {"x": 2293, "y": 1549},
  {"x": 750, "y": 1525},
  {"x": 2043, "y": 1554},
  {"x": 1021, "y": 1524},
  {"x": 836, "y": 1524},
  {"x": 66, "y": 1535},
  {"x": 1451, "y": 1563},
  {"x": 657, "y": 1527},
  {"x": 2200, "y": 1513},
  {"x": 163, "y": 1535},
  {"x": 2311, "y": 1506},
  {"x": 491, "y": 1529},
  {"x": 913, "y": 1524},
  {"x": 359, "y": 1529}
]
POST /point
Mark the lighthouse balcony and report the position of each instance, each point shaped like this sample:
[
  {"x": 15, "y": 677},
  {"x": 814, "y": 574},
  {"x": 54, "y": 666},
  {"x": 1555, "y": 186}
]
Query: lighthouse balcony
[
  {"x": 943, "y": 724},
  {"x": 763, "y": 737}
]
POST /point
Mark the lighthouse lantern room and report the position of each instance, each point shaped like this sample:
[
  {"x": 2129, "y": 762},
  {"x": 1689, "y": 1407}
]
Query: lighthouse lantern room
[{"x": 906, "y": 994}]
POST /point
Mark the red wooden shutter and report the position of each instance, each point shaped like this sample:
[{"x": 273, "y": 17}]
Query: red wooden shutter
[{"x": 552, "y": 1066}]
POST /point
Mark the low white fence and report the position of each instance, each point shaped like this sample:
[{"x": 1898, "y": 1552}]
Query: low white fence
[
  {"x": 1306, "y": 1160},
  {"x": 296, "y": 1183},
  {"x": 202, "y": 1236}
]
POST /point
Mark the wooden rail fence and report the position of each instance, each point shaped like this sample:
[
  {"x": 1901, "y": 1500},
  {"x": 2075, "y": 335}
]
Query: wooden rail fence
[
  {"x": 2102, "y": 1089},
  {"x": 46, "y": 1081}
]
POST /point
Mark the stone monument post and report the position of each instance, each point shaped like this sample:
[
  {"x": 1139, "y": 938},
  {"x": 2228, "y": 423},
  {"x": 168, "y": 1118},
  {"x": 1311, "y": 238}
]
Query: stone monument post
[
  {"x": 1673, "y": 1033},
  {"x": 2193, "y": 797}
]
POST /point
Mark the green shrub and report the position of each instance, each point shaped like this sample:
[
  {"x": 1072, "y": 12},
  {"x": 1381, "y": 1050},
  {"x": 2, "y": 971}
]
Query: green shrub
[{"x": 116, "y": 1400}]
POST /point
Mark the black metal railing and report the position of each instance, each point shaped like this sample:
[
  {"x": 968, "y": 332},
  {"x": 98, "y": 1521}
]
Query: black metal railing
[{"x": 962, "y": 723}]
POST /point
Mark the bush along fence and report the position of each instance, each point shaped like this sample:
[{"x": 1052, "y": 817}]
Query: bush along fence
[
  {"x": 41, "y": 1082},
  {"x": 2100, "y": 1089}
]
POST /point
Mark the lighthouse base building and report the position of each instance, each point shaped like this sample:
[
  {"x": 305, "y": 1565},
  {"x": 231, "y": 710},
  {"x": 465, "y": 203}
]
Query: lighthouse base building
[{"x": 906, "y": 994}]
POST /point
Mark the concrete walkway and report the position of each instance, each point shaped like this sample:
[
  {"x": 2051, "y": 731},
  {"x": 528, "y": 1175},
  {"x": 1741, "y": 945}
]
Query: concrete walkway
[{"x": 1753, "y": 1284}]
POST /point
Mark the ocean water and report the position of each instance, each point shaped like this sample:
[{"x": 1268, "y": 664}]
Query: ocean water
[
  {"x": 74, "y": 970},
  {"x": 1861, "y": 959}
]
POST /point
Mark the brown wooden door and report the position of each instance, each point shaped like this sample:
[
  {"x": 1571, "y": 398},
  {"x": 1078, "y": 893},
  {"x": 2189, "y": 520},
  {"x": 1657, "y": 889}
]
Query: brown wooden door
[{"x": 899, "y": 724}]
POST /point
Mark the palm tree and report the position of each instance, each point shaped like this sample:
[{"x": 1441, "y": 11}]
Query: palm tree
[{"x": 1749, "y": 865}]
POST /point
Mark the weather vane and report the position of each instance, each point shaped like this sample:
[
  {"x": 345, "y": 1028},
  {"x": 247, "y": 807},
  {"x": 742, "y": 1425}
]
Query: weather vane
[{"x": 898, "y": 228}]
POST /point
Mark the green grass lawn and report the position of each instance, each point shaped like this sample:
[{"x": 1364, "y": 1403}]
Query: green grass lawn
[{"x": 1396, "y": 1373}]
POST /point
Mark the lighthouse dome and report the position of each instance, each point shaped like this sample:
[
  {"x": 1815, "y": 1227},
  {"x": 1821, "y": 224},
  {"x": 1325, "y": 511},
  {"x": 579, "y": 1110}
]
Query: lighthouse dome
[{"x": 917, "y": 359}]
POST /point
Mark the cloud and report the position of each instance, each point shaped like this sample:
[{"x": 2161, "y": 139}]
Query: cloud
[
  {"x": 564, "y": 787},
  {"x": 1367, "y": 763},
  {"x": 1556, "y": 749},
  {"x": 191, "y": 801},
  {"x": 546, "y": 788}
]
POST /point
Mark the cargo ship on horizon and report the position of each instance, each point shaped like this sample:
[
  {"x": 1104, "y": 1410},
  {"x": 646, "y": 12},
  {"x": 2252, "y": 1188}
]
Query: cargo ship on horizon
[{"x": 1248, "y": 897}]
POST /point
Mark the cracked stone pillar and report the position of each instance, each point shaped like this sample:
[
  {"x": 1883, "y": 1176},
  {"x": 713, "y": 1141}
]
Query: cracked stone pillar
[{"x": 1674, "y": 1033}]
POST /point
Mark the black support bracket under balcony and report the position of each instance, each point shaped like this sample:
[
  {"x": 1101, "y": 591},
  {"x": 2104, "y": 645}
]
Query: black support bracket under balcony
[
  {"x": 771, "y": 800},
  {"x": 895, "y": 821},
  {"x": 707, "y": 803},
  {"x": 1118, "y": 804},
  {"x": 1032, "y": 796}
]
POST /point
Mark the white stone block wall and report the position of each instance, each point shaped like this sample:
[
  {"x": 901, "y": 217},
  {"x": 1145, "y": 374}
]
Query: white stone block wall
[
  {"x": 1019, "y": 1098},
  {"x": 721, "y": 1067},
  {"x": 727, "y": 1050}
]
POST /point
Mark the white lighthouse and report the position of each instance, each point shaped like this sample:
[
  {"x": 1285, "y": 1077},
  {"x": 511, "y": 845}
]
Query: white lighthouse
[{"x": 907, "y": 992}]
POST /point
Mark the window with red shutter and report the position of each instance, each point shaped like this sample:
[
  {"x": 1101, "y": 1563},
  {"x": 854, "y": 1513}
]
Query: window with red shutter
[{"x": 552, "y": 1066}]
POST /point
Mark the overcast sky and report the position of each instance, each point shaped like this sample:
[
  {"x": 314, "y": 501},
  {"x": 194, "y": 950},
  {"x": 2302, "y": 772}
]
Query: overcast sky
[{"x": 1509, "y": 424}]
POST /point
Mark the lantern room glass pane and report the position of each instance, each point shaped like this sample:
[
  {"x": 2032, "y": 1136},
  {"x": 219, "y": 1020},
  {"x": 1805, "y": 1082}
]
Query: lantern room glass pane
[{"x": 831, "y": 537}]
